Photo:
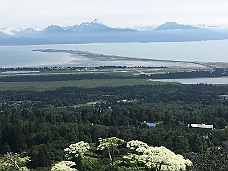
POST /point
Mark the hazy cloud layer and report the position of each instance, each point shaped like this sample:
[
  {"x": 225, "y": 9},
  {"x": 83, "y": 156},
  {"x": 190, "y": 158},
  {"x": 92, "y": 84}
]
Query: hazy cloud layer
[{"x": 115, "y": 13}]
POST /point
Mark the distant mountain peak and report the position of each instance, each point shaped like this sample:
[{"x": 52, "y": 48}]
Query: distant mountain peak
[
  {"x": 94, "y": 25},
  {"x": 54, "y": 28},
  {"x": 95, "y": 31},
  {"x": 19, "y": 31},
  {"x": 96, "y": 21},
  {"x": 174, "y": 26},
  {"x": 10, "y": 30}
]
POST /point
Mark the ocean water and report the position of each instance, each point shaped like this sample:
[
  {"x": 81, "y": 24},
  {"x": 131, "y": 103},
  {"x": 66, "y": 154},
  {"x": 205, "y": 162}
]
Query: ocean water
[
  {"x": 202, "y": 51},
  {"x": 215, "y": 80},
  {"x": 23, "y": 56}
]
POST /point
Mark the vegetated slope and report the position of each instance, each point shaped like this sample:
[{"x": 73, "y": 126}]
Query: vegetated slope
[{"x": 44, "y": 123}]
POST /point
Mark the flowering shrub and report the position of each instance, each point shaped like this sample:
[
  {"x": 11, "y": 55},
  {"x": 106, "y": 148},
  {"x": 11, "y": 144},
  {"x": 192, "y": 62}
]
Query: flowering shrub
[
  {"x": 64, "y": 166},
  {"x": 13, "y": 161},
  {"x": 132, "y": 160},
  {"x": 135, "y": 144},
  {"x": 77, "y": 149},
  {"x": 140, "y": 156},
  {"x": 159, "y": 158},
  {"x": 165, "y": 159},
  {"x": 109, "y": 142}
]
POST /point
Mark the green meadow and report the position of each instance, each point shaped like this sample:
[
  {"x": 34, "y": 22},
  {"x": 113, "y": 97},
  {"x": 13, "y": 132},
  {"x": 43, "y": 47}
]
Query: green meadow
[{"x": 42, "y": 86}]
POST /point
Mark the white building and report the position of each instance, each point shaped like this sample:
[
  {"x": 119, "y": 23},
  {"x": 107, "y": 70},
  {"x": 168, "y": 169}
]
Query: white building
[{"x": 203, "y": 126}]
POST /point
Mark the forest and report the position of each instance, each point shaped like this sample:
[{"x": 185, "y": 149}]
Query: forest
[{"x": 41, "y": 124}]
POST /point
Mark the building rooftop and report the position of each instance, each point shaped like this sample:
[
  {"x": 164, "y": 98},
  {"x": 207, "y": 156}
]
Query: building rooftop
[
  {"x": 150, "y": 124},
  {"x": 204, "y": 126},
  {"x": 225, "y": 143}
]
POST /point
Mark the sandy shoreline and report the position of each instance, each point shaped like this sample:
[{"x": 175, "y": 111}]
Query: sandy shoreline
[{"x": 85, "y": 58}]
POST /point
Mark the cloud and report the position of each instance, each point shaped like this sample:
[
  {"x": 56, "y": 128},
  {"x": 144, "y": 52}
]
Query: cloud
[{"x": 121, "y": 13}]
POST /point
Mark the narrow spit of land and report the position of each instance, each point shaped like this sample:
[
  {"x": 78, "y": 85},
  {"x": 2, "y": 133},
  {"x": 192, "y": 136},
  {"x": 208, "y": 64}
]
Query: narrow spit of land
[
  {"x": 85, "y": 58},
  {"x": 97, "y": 70}
]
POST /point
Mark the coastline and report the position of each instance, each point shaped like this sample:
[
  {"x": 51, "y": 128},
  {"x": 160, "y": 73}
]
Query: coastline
[
  {"x": 85, "y": 58},
  {"x": 208, "y": 54}
]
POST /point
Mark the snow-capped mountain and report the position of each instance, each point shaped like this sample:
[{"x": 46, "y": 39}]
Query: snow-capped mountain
[
  {"x": 146, "y": 28},
  {"x": 94, "y": 26},
  {"x": 53, "y": 29},
  {"x": 28, "y": 32},
  {"x": 96, "y": 32},
  {"x": 219, "y": 29},
  {"x": 72, "y": 28},
  {"x": 174, "y": 26},
  {"x": 10, "y": 30}
]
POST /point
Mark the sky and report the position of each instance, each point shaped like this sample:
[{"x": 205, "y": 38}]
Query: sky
[{"x": 114, "y": 13}]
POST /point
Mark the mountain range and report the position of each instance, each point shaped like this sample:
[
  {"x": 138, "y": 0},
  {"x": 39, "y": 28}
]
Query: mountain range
[{"x": 96, "y": 32}]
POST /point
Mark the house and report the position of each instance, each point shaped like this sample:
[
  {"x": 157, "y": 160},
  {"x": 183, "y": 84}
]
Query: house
[
  {"x": 202, "y": 126},
  {"x": 149, "y": 124},
  {"x": 223, "y": 97},
  {"x": 225, "y": 145}
]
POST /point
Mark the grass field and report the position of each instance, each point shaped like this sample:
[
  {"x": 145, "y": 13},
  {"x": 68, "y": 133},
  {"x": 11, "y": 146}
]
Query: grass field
[
  {"x": 128, "y": 73},
  {"x": 42, "y": 86}
]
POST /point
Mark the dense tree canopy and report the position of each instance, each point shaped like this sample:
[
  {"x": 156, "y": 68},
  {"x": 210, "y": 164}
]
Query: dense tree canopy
[{"x": 42, "y": 124}]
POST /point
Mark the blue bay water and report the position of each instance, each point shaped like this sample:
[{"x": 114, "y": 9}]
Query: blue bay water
[
  {"x": 213, "y": 80},
  {"x": 202, "y": 51},
  {"x": 23, "y": 56}
]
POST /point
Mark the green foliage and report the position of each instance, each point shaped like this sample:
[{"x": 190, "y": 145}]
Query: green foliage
[
  {"x": 13, "y": 162},
  {"x": 52, "y": 85},
  {"x": 140, "y": 155},
  {"x": 211, "y": 161},
  {"x": 64, "y": 166},
  {"x": 43, "y": 123},
  {"x": 40, "y": 156}
]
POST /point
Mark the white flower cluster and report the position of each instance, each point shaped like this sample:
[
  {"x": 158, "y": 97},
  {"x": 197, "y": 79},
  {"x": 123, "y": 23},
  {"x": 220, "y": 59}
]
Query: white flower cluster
[
  {"x": 136, "y": 144},
  {"x": 109, "y": 142},
  {"x": 168, "y": 159},
  {"x": 77, "y": 149},
  {"x": 155, "y": 157},
  {"x": 13, "y": 161},
  {"x": 64, "y": 166}
]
